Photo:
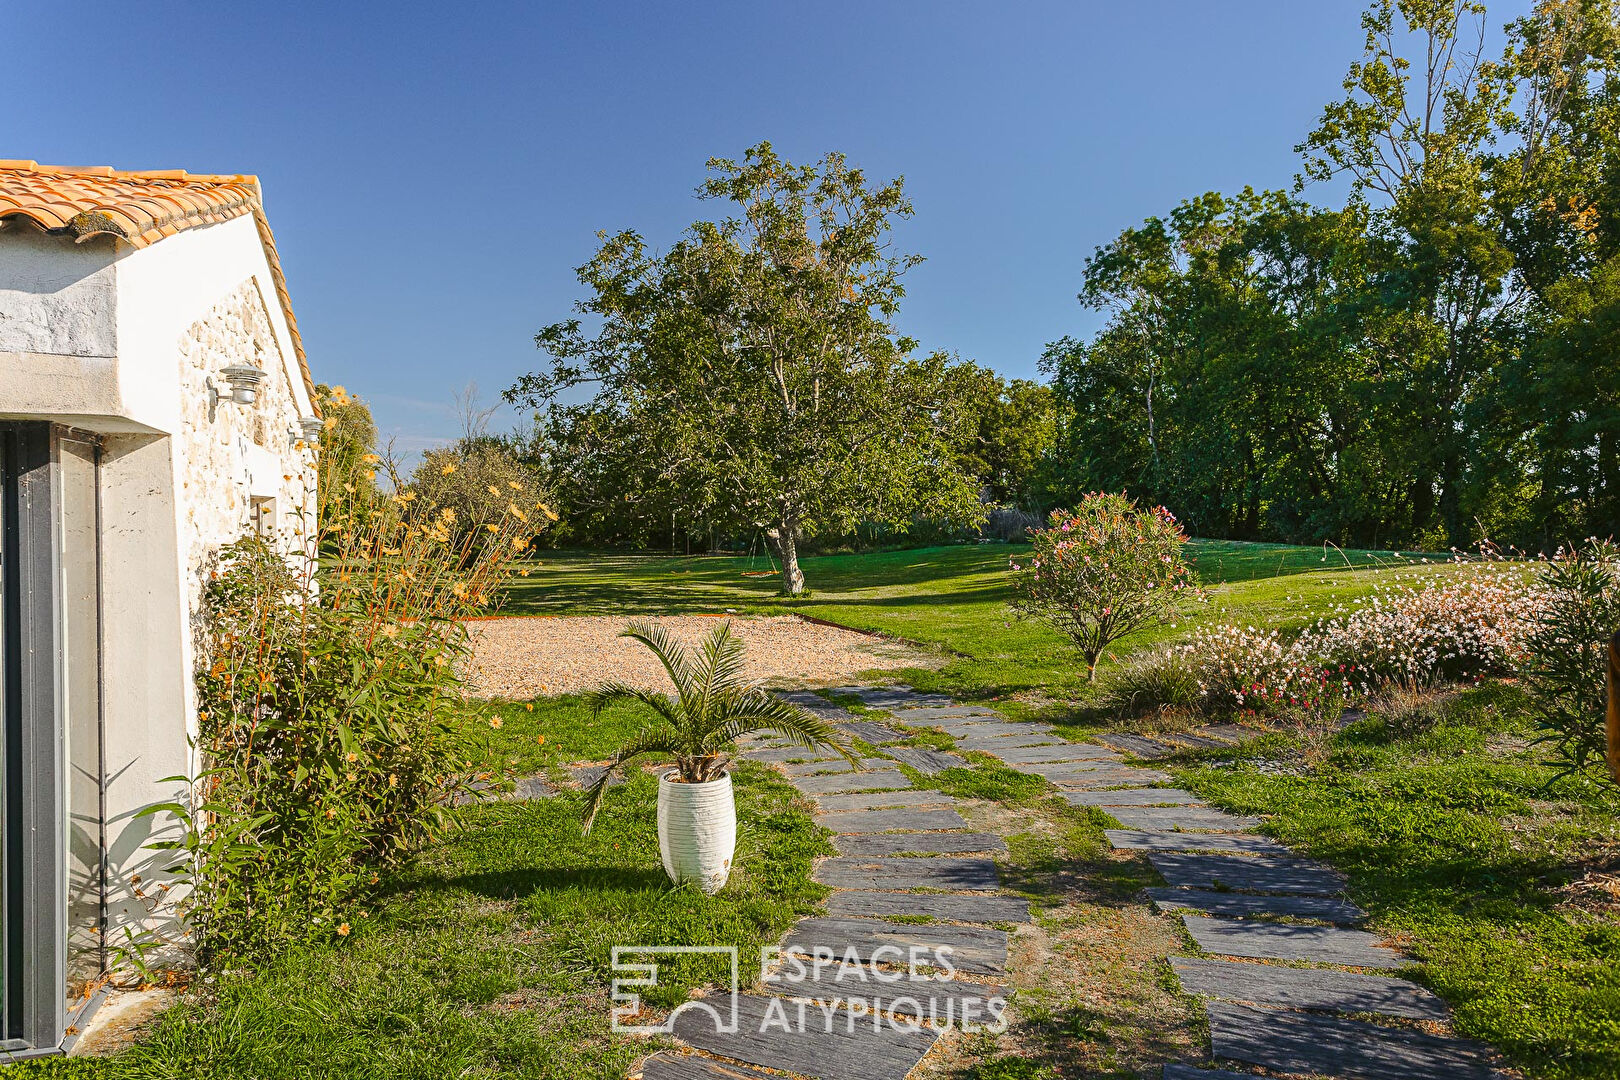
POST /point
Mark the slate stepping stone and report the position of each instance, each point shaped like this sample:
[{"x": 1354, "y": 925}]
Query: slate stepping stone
[
  {"x": 1236, "y": 905},
  {"x": 1231, "y": 733},
  {"x": 1197, "y": 742},
  {"x": 1076, "y": 777},
  {"x": 1181, "y": 817},
  {"x": 814, "y": 1044},
  {"x": 1135, "y": 796},
  {"x": 1038, "y": 755},
  {"x": 924, "y": 843},
  {"x": 585, "y": 775},
  {"x": 1241, "y": 843},
  {"x": 967, "y": 948},
  {"x": 876, "y": 800},
  {"x": 1136, "y": 746},
  {"x": 533, "y": 787},
  {"x": 1188, "y": 1072},
  {"x": 994, "y": 742},
  {"x": 1302, "y": 1043},
  {"x": 667, "y": 1066},
  {"x": 1253, "y": 874},
  {"x": 852, "y": 781},
  {"x": 1307, "y": 988},
  {"x": 836, "y": 765},
  {"x": 943, "y": 712},
  {"x": 914, "y": 995},
  {"x": 979, "y": 909},
  {"x": 876, "y": 821},
  {"x": 870, "y": 730},
  {"x": 983, "y": 725},
  {"x": 861, "y": 872},
  {"x": 789, "y": 753},
  {"x": 926, "y": 761},
  {"x": 1289, "y": 941}
]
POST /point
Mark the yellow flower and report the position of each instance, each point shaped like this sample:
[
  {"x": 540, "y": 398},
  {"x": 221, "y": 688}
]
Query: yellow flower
[
  {"x": 353, "y": 777},
  {"x": 370, "y": 459},
  {"x": 351, "y": 756},
  {"x": 539, "y": 740},
  {"x": 330, "y": 812},
  {"x": 493, "y": 490},
  {"x": 496, "y": 722},
  {"x": 551, "y": 515},
  {"x": 492, "y": 528},
  {"x": 393, "y": 780},
  {"x": 447, "y": 470},
  {"x": 512, "y": 508},
  {"x": 343, "y": 929},
  {"x": 528, "y": 708},
  {"x": 459, "y": 588},
  {"x": 514, "y": 485},
  {"x": 390, "y": 631}
]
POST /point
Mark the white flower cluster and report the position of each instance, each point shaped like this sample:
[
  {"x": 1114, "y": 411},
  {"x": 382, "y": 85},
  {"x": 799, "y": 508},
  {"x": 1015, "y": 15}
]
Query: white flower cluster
[{"x": 1453, "y": 630}]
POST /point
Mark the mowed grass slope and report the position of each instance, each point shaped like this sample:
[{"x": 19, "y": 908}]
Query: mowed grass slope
[{"x": 954, "y": 600}]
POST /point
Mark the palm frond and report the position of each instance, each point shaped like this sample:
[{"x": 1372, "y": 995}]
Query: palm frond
[
  {"x": 613, "y": 690},
  {"x": 654, "y": 740},
  {"x": 756, "y": 710},
  {"x": 721, "y": 662},
  {"x": 676, "y": 658}
]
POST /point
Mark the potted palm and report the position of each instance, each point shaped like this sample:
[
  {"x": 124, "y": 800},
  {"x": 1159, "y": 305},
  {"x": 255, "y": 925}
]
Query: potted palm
[{"x": 713, "y": 706}]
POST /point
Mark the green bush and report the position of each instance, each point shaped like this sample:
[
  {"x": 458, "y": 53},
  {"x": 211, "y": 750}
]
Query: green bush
[
  {"x": 480, "y": 481},
  {"x": 1165, "y": 678},
  {"x": 1567, "y": 655},
  {"x": 325, "y": 703},
  {"x": 1102, "y": 572}
]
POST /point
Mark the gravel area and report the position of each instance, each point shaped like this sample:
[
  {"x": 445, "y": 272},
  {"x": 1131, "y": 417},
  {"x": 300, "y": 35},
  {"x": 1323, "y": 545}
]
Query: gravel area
[{"x": 524, "y": 657}]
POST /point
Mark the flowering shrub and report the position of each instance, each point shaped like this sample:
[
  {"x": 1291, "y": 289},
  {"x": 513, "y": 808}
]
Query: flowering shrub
[
  {"x": 1103, "y": 572},
  {"x": 1406, "y": 636},
  {"x": 326, "y": 692}
]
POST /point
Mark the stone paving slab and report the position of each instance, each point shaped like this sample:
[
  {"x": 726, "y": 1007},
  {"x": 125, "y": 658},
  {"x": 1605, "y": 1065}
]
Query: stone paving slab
[
  {"x": 836, "y": 765},
  {"x": 668, "y": 1066},
  {"x": 814, "y": 703},
  {"x": 1181, "y": 817},
  {"x": 1289, "y": 941},
  {"x": 1136, "y": 746},
  {"x": 918, "y": 843},
  {"x": 783, "y": 754},
  {"x": 877, "y": 821},
  {"x": 863, "y": 872},
  {"x": 1302, "y": 1043},
  {"x": 1307, "y": 988},
  {"x": 971, "y": 948},
  {"x": 854, "y": 781},
  {"x": 912, "y": 995},
  {"x": 532, "y": 787},
  {"x": 877, "y": 800},
  {"x": 980, "y": 909},
  {"x": 879, "y": 697},
  {"x": 1189, "y": 1072},
  {"x": 1134, "y": 796},
  {"x": 1063, "y": 752},
  {"x": 922, "y": 715},
  {"x": 1230, "y": 732},
  {"x": 994, "y": 741},
  {"x": 1238, "y": 843},
  {"x": 1326, "y": 908},
  {"x": 989, "y": 729},
  {"x": 924, "y": 760},
  {"x": 870, "y": 730},
  {"x": 816, "y": 1045},
  {"x": 585, "y": 775},
  {"x": 1077, "y": 778},
  {"x": 1253, "y": 874},
  {"x": 1197, "y": 742}
]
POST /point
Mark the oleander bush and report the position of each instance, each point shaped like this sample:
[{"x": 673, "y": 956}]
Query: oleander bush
[
  {"x": 326, "y": 691},
  {"x": 1103, "y": 572}
]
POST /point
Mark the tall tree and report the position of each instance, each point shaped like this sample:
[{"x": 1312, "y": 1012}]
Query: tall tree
[{"x": 758, "y": 364}]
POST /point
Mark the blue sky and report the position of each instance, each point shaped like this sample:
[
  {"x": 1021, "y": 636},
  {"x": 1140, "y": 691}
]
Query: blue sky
[{"x": 434, "y": 172}]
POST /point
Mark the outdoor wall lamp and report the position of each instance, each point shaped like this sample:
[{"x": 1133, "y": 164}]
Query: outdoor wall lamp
[
  {"x": 308, "y": 429},
  {"x": 243, "y": 380}
]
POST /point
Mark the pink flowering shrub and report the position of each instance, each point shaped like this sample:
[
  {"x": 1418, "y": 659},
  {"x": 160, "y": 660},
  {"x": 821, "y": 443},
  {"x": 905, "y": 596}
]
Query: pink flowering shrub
[
  {"x": 1104, "y": 571},
  {"x": 1406, "y": 635}
]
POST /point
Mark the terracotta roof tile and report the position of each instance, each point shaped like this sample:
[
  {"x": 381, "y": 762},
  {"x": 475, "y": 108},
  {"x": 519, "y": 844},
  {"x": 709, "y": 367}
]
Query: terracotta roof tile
[{"x": 141, "y": 208}]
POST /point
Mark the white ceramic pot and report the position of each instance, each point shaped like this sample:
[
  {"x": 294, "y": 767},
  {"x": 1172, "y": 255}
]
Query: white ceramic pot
[{"x": 697, "y": 830}]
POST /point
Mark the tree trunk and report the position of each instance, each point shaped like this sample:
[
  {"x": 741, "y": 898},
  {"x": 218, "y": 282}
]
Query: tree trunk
[{"x": 785, "y": 544}]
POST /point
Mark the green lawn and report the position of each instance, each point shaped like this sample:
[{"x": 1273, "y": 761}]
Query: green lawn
[{"x": 954, "y": 600}]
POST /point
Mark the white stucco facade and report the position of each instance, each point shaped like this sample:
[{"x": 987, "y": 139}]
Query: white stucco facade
[{"x": 120, "y": 342}]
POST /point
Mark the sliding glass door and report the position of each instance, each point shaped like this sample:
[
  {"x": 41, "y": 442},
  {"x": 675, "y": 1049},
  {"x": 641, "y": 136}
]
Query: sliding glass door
[{"x": 51, "y": 843}]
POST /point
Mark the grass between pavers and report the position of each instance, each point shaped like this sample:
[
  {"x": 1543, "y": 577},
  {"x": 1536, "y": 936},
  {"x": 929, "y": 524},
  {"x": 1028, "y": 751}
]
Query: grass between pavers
[
  {"x": 1464, "y": 856},
  {"x": 490, "y": 956},
  {"x": 954, "y": 601}
]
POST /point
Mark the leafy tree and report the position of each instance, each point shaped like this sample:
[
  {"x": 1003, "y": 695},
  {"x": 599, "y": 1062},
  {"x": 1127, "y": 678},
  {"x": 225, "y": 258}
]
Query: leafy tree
[
  {"x": 474, "y": 484},
  {"x": 753, "y": 372},
  {"x": 1014, "y": 427},
  {"x": 346, "y": 466}
]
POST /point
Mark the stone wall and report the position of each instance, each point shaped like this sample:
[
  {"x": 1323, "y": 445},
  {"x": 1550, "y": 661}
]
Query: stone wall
[{"x": 242, "y": 453}]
